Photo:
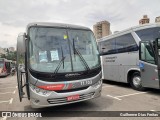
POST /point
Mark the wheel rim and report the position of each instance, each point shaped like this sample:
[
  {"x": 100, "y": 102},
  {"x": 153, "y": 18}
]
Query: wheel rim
[{"x": 137, "y": 81}]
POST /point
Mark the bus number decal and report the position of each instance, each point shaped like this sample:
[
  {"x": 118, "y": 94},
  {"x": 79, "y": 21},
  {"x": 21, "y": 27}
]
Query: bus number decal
[{"x": 88, "y": 82}]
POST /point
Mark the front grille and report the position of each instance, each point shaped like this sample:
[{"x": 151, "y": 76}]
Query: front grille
[{"x": 64, "y": 99}]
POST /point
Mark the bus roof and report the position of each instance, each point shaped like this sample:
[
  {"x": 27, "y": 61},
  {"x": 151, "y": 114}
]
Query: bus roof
[
  {"x": 60, "y": 25},
  {"x": 135, "y": 28}
]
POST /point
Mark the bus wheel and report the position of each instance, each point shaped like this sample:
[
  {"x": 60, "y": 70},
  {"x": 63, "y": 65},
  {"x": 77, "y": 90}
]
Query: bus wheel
[{"x": 136, "y": 82}]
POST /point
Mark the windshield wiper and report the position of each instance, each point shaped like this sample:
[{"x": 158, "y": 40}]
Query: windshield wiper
[
  {"x": 60, "y": 63},
  {"x": 62, "y": 56},
  {"x": 76, "y": 51}
]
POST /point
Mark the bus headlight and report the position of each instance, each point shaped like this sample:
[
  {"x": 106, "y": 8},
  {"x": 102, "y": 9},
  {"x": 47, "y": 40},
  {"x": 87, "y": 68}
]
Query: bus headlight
[
  {"x": 32, "y": 86},
  {"x": 44, "y": 92},
  {"x": 39, "y": 90}
]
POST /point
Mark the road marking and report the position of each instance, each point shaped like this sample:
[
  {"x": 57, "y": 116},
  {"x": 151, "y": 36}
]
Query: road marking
[
  {"x": 10, "y": 101},
  {"x": 118, "y": 97},
  {"x": 130, "y": 94},
  {"x": 107, "y": 86},
  {"x": 8, "y": 92},
  {"x": 155, "y": 111},
  {"x": 113, "y": 97},
  {"x": 8, "y": 87},
  {"x": 14, "y": 92},
  {"x": 4, "y": 101},
  {"x": 4, "y": 118},
  {"x": 152, "y": 110}
]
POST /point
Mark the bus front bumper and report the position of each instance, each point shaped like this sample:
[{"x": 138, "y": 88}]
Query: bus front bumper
[{"x": 55, "y": 99}]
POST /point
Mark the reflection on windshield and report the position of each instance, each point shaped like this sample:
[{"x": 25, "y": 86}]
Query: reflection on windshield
[
  {"x": 76, "y": 52},
  {"x": 48, "y": 46}
]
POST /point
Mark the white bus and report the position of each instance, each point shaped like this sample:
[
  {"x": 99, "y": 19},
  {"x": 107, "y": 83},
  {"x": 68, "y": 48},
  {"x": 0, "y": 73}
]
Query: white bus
[
  {"x": 131, "y": 56},
  {"x": 61, "y": 64}
]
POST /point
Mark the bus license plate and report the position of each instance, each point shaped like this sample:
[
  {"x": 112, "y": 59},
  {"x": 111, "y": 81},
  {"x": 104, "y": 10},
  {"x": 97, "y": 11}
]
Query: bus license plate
[{"x": 73, "y": 97}]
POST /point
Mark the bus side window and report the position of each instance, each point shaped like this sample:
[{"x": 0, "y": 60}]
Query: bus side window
[
  {"x": 108, "y": 47},
  {"x": 126, "y": 43},
  {"x": 147, "y": 53}
]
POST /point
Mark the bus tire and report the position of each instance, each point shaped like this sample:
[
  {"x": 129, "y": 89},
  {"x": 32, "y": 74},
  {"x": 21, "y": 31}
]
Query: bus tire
[{"x": 136, "y": 82}]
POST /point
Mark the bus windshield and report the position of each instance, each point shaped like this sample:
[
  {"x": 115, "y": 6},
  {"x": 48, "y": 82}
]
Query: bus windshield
[{"x": 52, "y": 48}]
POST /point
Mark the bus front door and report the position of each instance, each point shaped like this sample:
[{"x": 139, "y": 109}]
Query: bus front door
[
  {"x": 156, "y": 46},
  {"x": 147, "y": 64}
]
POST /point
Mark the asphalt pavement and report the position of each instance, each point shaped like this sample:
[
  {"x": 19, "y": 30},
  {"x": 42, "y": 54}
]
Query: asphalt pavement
[{"x": 115, "y": 97}]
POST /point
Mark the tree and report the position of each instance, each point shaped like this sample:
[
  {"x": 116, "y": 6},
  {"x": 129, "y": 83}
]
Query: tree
[
  {"x": 3, "y": 56},
  {"x": 11, "y": 55}
]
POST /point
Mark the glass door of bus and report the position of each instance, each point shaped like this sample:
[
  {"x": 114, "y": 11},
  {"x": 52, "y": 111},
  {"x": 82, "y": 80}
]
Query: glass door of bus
[
  {"x": 157, "y": 57},
  {"x": 148, "y": 65}
]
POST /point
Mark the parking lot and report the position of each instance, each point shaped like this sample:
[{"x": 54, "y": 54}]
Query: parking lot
[
  {"x": 115, "y": 97},
  {"x": 127, "y": 99}
]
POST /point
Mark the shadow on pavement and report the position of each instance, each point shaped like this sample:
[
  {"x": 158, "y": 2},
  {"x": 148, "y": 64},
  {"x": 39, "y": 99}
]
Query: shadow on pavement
[{"x": 114, "y": 83}]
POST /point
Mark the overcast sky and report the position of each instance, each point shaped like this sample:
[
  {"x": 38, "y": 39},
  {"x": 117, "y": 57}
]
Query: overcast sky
[{"x": 122, "y": 14}]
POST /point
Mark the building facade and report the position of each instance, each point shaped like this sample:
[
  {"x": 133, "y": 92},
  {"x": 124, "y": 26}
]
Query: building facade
[
  {"x": 157, "y": 19},
  {"x": 144, "y": 20},
  {"x": 101, "y": 29},
  {"x": 11, "y": 49},
  {"x": 2, "y": 51}
]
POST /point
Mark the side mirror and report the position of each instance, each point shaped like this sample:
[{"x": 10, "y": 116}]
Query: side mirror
[{"x": 21, "y": 47}]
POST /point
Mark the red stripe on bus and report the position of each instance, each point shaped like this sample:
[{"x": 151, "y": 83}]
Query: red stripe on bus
[
  {"x": 54, "y": 87},
  {"x": 70, "y": 86}
]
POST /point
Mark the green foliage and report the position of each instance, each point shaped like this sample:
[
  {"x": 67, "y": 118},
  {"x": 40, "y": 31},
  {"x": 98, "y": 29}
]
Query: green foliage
[
  {"x": 3, "y": 56},
  {"x": 10, "y": 55},
  {"x": 21, "y": 59}
]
